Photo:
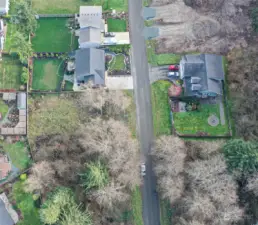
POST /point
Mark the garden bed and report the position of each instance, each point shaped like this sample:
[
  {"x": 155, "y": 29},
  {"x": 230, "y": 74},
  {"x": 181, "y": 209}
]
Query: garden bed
[
  {"x": 10, "y": 71},
  {"x": 118, "y": 64},
  {"x": 47, "y": 74},
  {"x": 196, "y": 122},
  {"x": 116, "y": 25},
  {"x": 53, "y": 35}
]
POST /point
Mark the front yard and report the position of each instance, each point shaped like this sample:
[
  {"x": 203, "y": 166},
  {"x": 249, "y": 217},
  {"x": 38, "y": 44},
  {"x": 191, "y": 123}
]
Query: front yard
[
  {"x": 196, "y": 122},
  {"x": 47, "y": 74},
  {"x": 160, "y": 108},
  {"x": 72, "y": 6},
  {"x": 53, "y": 35},
  {"x": 117, "y": 63},
  {"x": 10, "y": 72},
  {"x": 116, "y": 25}
]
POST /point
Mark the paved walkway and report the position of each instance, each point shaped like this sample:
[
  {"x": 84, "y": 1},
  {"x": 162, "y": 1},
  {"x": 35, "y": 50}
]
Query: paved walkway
[{"x": 222, "y": 112}]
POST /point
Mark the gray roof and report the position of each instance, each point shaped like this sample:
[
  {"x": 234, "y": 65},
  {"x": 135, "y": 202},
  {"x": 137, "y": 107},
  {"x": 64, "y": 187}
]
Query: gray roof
[
  {"x": 90, "y": 63},
  {"x": 150, "y": 32},
  {"x": 149, "y": 13},
  {"x": 3, "y": 3},
  {"x": 5, "y": 218},
  {"x": 21, "y": 101},
  {"x": 90, "y": 35},
  {"x": 90, "y": 16},
  {"x": 208, "y": 68}
]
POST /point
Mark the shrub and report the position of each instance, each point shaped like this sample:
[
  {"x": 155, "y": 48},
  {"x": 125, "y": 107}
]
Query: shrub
[
  {"x": 254, "y": 17},
  {"x": 23, "y": 177},
  {"x": 25, "y": 75},
  {"x": 241, "y": 155}
]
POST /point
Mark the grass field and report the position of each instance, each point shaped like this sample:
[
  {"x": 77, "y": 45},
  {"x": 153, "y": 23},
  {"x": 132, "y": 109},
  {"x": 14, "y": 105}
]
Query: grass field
[
  {"x": 137, "y": 207},
  {"x": 3, "y": 108},
  {"x": 117, "y": 63},
  {"x": 18, "y": 153},
  {"x": 72, "y": 6},
  {"x": 160, "y": 108},
  {"x": 54, "y": 116},
  {"x": 47, "y": 74},
  {"x": 53, "y": 35},
  {"x": 116, "y": 25},
  {"x": 160, "y": 59},
  {"x": 10, "y": 71},
  {"x": 25, "y": 203},
  {"x": 197, "y": 121}
]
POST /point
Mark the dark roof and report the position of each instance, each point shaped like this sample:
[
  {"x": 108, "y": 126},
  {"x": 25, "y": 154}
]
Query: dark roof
[
  {"x": 5, "y": 218},
  {"x": 90, "y": 62},
  {"x": 203, "y": 72}
]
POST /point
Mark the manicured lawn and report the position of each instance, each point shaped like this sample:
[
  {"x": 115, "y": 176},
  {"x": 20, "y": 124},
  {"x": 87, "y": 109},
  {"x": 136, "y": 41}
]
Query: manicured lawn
[
  {"x": 10, "y": 71},
  {"x": 47, "y": 74},
  {"x": 116, "y": 25},
  {"x": 53, "y": 35},
  {"x": 160, "y": 108},
  {"x": 160, "y": 59},
  {"x": 26, "y": 204},
  {"x": 3, "y": 108},
  {"x": 18, "y": 153},
  {"x": 117, "y": 63},
  {"x": 72, "y": 6},
  {"x": 197, "y": 121},
  {"x": 68, "y": 86},
  {"x": 137, "y": 207}
]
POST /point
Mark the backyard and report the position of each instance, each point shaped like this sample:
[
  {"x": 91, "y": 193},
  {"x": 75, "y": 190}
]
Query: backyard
[
  {"x": 10, "y": 71},
  {"x": 53, "y": 35},
  {"x": 194, "y": 122},
  {"x": 47, "y": 74},
  {"x": 160, "y": 108},
  {"x": 116, "y": 25},
  {"x": 117, "y": 63},
  {"x": 18, "y": 154},
  {"x": 72, "y": 6},
  {"x": 160, "y": 59}
]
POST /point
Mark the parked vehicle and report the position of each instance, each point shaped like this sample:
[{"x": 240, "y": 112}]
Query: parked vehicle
[
  {"x": 143, "y": 169},
  {"x": 173, "y": 74},
  {"x": 173, "y": 67},
  {"x": 109, "y": 34}
]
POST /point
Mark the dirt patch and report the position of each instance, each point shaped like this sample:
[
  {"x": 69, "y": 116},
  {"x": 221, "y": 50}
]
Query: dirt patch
[{"x": 202, "y": 25}]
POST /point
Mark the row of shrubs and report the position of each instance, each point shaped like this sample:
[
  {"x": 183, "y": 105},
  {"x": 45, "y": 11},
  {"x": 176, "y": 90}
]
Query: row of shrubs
[{"x": 49, "y": 55}]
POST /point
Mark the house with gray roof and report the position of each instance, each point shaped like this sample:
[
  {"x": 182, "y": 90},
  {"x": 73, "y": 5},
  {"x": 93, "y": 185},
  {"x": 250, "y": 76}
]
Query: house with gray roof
[
  {"x": 4, "y": 7},
  {"x": 8, "y": 216},
  {"x": 202, "y": 75},
  {"x": 89, "y": 66},
  {"x": 91, "y": 25}
]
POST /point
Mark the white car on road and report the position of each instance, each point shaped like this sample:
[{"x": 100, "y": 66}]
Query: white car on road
[{"x": 143, "y": 169}]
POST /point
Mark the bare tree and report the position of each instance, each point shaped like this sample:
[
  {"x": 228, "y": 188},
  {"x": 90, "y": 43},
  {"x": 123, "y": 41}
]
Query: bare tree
[
  {"x": 42, "y": 177},
  {"x": 253, "y": 184}
]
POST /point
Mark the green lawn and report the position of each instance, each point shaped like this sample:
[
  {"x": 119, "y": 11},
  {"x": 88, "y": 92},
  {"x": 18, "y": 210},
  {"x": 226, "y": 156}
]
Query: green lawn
[
  {"x": 116, "y": 25},
  {"x": 3, "y": 108},
  {"x": 117, "y": 63},
  {"x": 137, "y": 207},
  {"x": 72, "y": 6},
  {"x": 68, "y": 86},
  {"x": 18, "y": 153},
  {"x": 10, "y": 71},
  {"x": 148, "y": 23},
  {"x": 160, "y": 59},
  {"x": 47, "y": 74},
  {"x": 53, "y": 35},
  {"x": 25, "y": 203},
  {"x": 197, "y": 121},
  {"x": 160, "y": 108},
  {"x": 11, "y": 29}
]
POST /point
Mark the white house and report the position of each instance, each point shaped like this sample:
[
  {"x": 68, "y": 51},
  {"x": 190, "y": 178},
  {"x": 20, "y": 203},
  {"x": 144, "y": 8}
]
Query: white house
[{"x": 4, "y": 7}]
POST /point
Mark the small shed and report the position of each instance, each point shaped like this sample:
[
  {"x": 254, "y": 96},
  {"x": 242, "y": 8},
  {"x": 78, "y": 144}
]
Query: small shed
[{"x": 21, "y": 101}]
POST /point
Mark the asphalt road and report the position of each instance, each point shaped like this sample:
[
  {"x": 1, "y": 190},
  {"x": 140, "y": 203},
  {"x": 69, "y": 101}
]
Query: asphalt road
[{"x": 142, "y": 93}]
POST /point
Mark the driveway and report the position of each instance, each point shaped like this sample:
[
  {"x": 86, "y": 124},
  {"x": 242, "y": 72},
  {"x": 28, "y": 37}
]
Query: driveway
[
  {"x": 158, "y": 73},
  {"x": 142, "y": 94}
]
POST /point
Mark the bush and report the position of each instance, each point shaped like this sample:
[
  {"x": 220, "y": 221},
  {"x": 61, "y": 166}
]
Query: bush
[
  {"x": 23, "y": 177},
  {"x": 25, "y": 75},
  {"x": 241, "y": 155},
  {"x": 254, "y": 17}
]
